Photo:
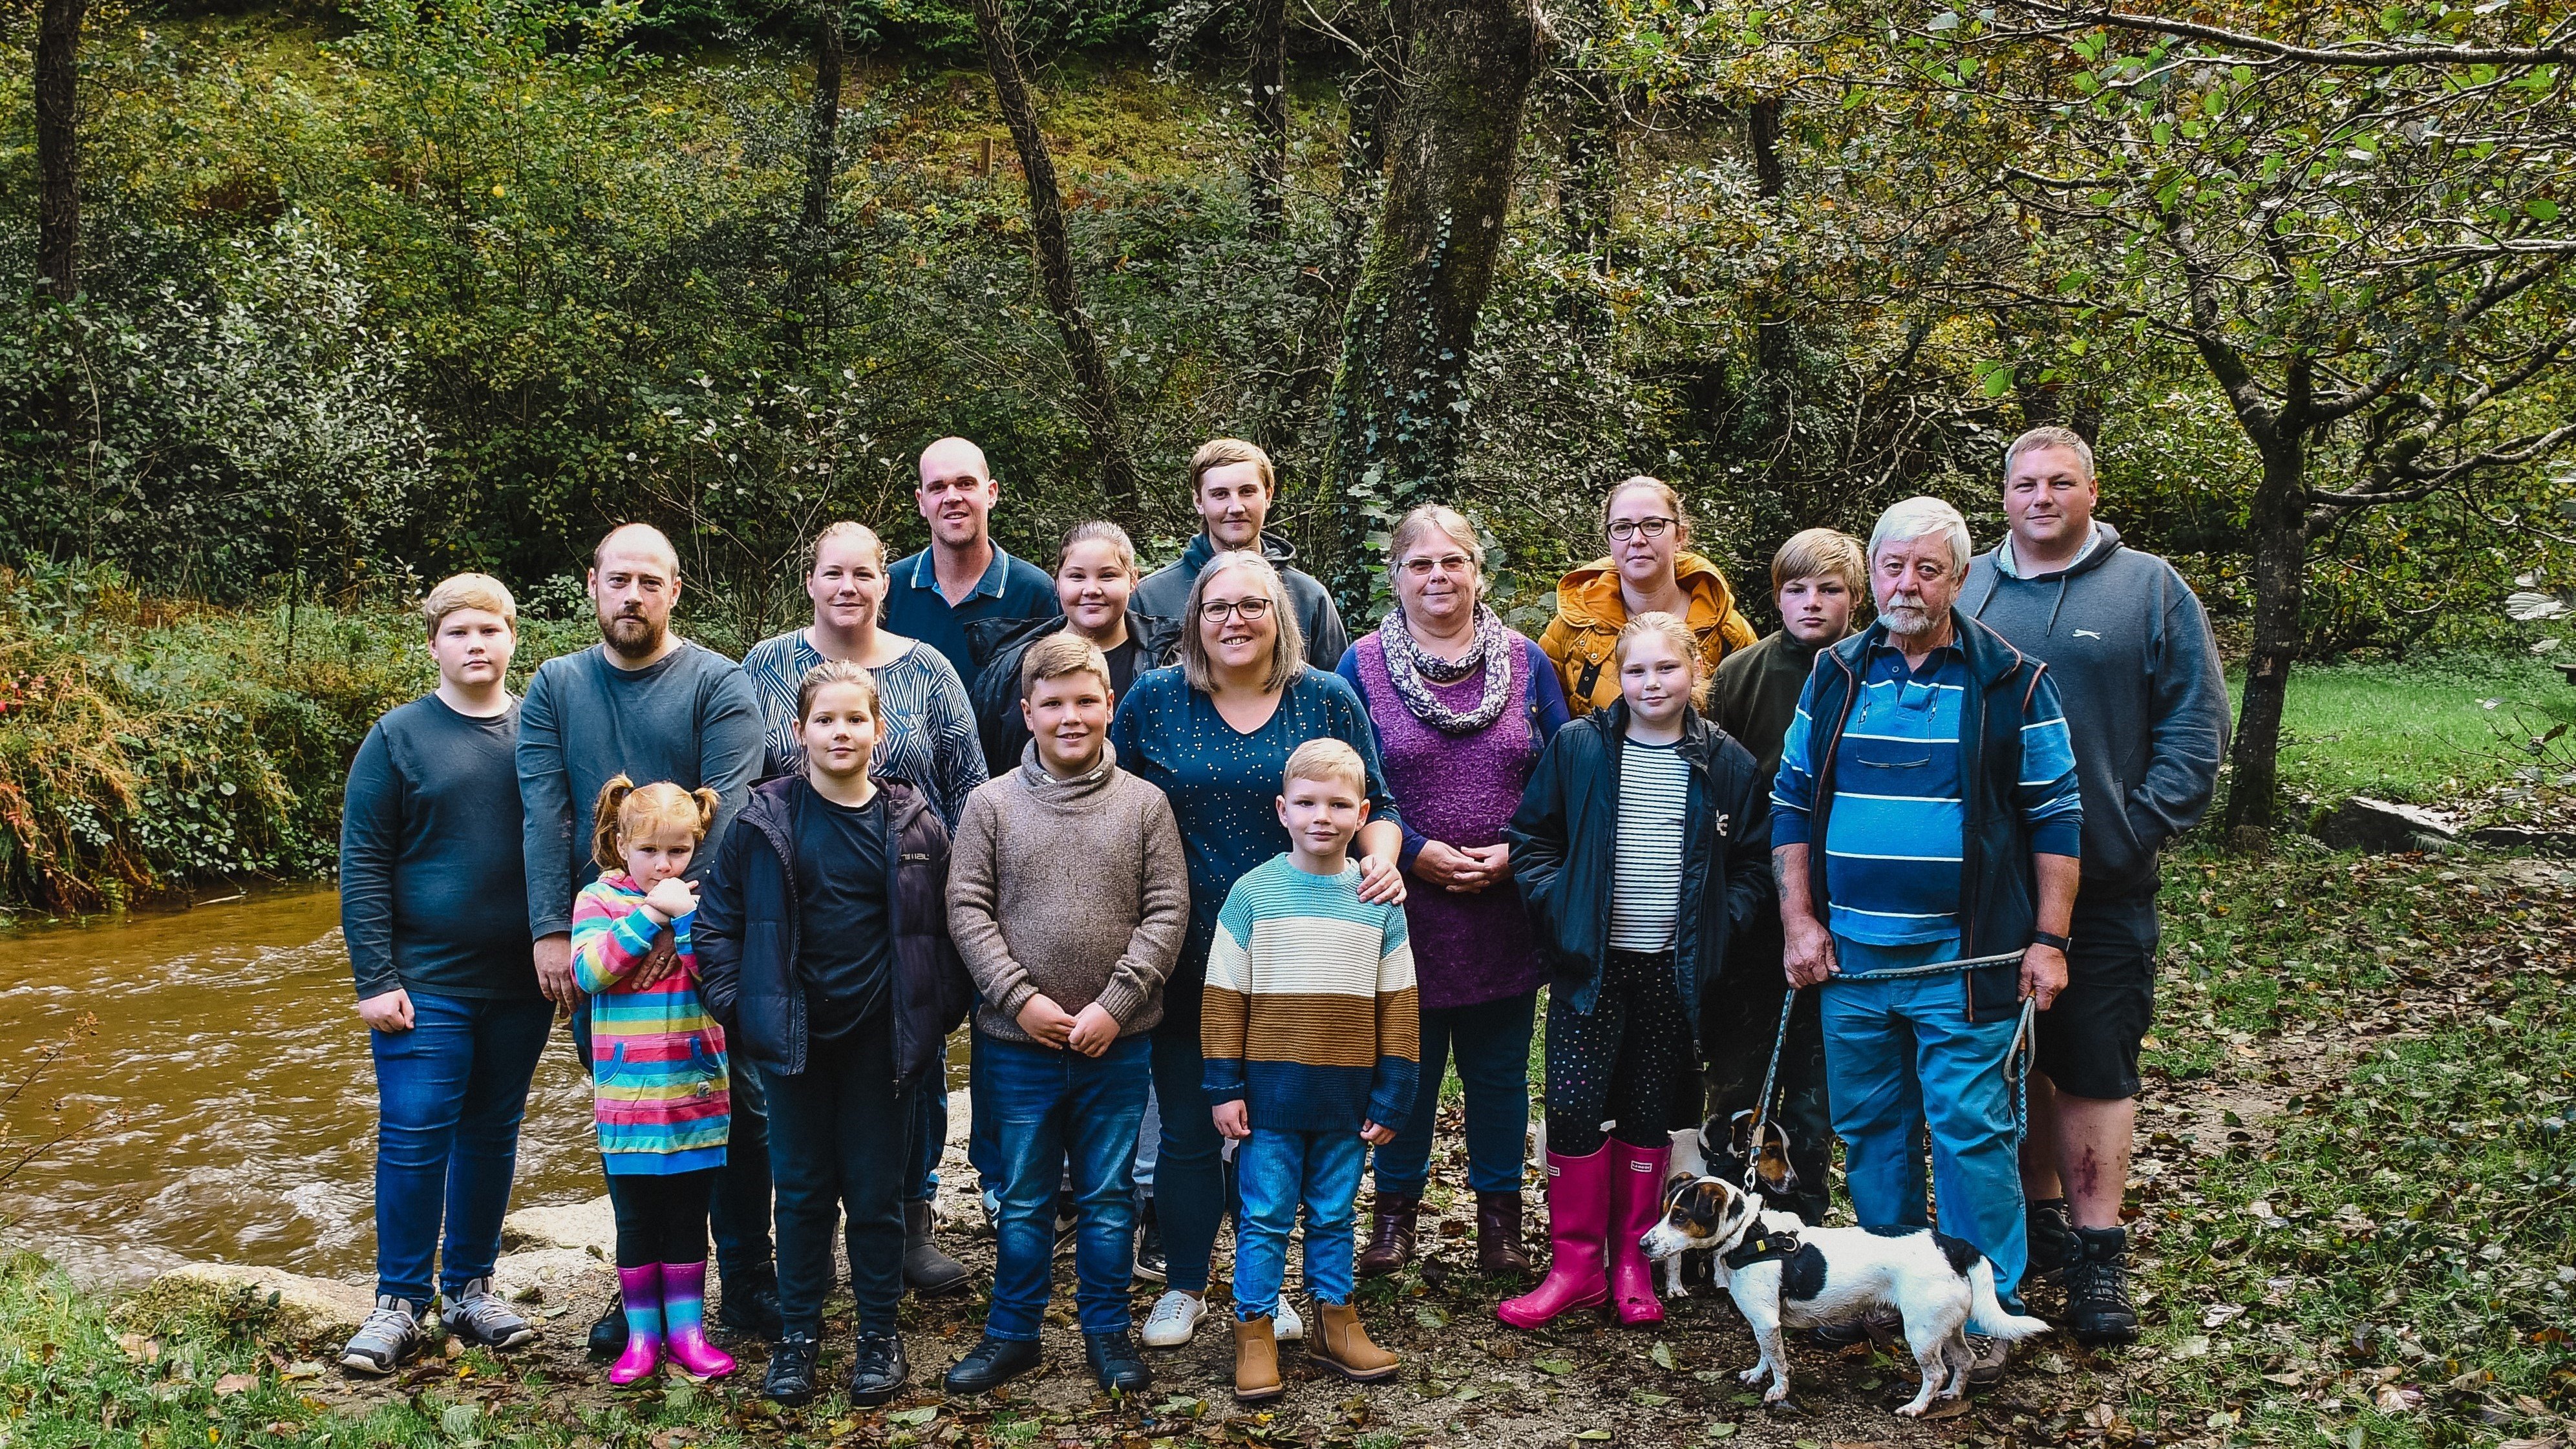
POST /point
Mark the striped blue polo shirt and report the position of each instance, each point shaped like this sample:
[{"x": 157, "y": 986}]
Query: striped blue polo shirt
[{"x": 1894, "y": 841}]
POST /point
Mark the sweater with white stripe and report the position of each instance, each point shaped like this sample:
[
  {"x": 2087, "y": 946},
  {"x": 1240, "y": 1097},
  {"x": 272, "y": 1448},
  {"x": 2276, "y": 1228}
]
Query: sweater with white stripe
[
  {"x": 1310, "y": 1017},
  {"x": 1646, "y": 860}
]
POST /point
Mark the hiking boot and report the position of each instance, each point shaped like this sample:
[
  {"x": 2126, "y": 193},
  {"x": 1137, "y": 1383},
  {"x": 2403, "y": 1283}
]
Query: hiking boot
[
  {"x": 1390, "y": 1244},
  {"x": 927, "y": 1271},
  {"x": 1115, "y": 1362},
  {"x": 2050, "y": 1240},
  {"x": 2097, "y": 1287},
  {"x": 1344, "y": 1345},
  {"x": 1987, "y": 1359},
  {"x": 608, "y": 1333},
  {"x": 390, "y": 1335},
  {"x": 991, "y": 1363},
  {"x": 878, "y": 1369},
  {"x": 791, "y": 1374},
  {"x": 477, "y": 1315},
  {"x": 749, "y": 1307},
  {"x": 1878, "y": 1325},
  {"x": 1499, "y": 1253},
  {"x": 1256, "y": 1362}
]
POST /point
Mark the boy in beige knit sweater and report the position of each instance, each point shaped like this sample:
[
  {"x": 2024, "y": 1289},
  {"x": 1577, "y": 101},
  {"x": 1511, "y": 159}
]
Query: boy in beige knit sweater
[{"x": 1067, "y": 897}]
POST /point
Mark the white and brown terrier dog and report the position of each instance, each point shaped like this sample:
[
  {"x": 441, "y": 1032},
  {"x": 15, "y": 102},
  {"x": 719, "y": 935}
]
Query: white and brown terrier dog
[{"x": 1783, "y": 1273}]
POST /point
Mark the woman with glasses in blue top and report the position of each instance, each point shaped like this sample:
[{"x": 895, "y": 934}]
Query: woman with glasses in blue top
[{"x": 1214, "y": 733}]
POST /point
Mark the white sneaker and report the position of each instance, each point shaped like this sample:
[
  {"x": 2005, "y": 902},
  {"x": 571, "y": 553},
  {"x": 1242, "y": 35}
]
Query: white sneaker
[
  {"x": 1285, "y": 1325},
  {"x": 1175, "y": 1317}
]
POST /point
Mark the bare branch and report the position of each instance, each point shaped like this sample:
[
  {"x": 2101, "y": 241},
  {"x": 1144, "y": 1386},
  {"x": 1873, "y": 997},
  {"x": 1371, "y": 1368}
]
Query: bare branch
[{"x": 2362, "y": 56}]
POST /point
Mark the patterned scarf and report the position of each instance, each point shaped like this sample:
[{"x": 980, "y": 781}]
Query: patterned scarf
[{"x": 1408, "y": 665}]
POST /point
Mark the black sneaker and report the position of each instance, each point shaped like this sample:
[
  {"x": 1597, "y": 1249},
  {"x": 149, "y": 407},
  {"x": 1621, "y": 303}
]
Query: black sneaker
[
  {"x": 2046, "y": 1223},
  {"x": 2097, "y": 1287},
  {"x": 791, "y": 1369},
  {"x": 1115, "y": 1362},
  {"x": 878, "y": 1369},
  {"x": 1149, "y": 1245},
  {"x": 991, "y": 1363},
  {"x": 608, "y": 1335},
  {"x": 1067, "y": 1224},
  {"x": 750, "y": 1307}
]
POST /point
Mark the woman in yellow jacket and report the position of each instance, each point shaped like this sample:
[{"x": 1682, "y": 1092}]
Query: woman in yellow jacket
[{"x": 1648, "y": 570}]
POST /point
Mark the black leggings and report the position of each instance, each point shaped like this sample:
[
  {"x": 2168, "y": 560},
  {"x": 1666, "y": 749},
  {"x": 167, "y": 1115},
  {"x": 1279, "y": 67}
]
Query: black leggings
[
  {"x": 661, "y": 1219},
  {"x": 1630, "y": 1060}
]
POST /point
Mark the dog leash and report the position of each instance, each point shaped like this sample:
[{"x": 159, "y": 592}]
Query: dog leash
[{"x": 2017, "y": 1059}]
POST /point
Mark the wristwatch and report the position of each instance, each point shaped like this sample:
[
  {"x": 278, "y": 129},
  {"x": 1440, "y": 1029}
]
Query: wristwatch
[{"x": 2050, "y": 939}]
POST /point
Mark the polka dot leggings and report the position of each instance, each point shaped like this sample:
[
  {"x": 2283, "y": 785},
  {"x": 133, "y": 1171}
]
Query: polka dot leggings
[{"x": 1630, "y": 1062}]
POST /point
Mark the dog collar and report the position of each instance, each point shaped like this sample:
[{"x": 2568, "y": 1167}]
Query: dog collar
[{"x": 1767, "y": 1248}]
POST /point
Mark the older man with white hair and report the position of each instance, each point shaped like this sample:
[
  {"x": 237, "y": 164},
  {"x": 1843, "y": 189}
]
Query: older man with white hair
[{"x": 1929, "y": 765}]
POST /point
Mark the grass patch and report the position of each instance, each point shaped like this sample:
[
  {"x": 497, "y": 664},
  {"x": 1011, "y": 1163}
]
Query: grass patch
[{"x": 2421, "y": 731}]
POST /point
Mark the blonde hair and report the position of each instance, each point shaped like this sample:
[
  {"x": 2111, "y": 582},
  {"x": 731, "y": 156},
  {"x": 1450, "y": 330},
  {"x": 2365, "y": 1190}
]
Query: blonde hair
[
  {"x": 835, "y": 671},
  {"x": 1059, "y": 654},
  {"x": 1435, "y": 518},
  {"x": 1815, "y": 553},
  {"x": 468, "y": 591},
  {"x": 1098, "y": 530},
  {"x": 1678, "y": 634},
  {"x": 1329, "y": 761},
  {"x": 865, "y": 536},
  {"x": 1222, "y": 452},
  {"x": 628, "y": 811},
  {"x": 1288, "y": 644},
  {"x": 1656, "y": 486},
  {"x": 2050, "y": 436}
]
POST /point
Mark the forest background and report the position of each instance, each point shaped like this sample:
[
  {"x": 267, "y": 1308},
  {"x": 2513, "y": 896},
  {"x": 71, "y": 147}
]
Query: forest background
[{"x": 356, "y": 295}]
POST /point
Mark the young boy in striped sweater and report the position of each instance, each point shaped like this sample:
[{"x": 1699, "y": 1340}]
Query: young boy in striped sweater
[{"x": 1309, "y": 1030}]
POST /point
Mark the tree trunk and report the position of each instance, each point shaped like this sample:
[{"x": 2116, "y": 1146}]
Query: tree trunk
[
  {"x": 1770, "y": 173},
  {"x": 809, "y": 308},
  {"x": 2280, "y": 528},
  {"x": 1400, "y": 395},
  {"x": 58, "y": 147},
  {"x": 1269, "y": 85},
  {"x": 1096, "y": 390}
]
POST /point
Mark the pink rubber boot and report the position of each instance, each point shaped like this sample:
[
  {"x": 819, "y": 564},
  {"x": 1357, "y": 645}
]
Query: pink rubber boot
[
  {"x": 684, "y": 1321},
  {"x": 1578, "y": 1213},
  {"x": 642, "y": 1290},
  {"x": 1636, "y": 1201}
]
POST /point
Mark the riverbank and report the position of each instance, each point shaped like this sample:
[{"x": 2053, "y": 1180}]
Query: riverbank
[{"x": 2353, "y": 1206}]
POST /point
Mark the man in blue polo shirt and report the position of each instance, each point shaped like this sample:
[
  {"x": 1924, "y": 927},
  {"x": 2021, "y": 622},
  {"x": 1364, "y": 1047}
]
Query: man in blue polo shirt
[
  {"x": 1929, "y": 762},
  {"x": 932, "y": 596},
  {"x": 963, "y": 575}
]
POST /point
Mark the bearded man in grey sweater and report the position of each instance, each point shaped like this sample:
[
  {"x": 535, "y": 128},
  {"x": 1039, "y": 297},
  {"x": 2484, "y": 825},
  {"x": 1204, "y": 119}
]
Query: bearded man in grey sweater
[{"x": 2146, "y": 710}]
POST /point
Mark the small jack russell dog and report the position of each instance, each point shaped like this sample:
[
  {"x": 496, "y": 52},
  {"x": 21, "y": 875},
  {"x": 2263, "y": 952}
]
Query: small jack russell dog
[{"x": 1783, "y": 1273}]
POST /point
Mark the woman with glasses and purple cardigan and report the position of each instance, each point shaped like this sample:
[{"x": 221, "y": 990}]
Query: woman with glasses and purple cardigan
[
  {"x": 1214, "y": 733},
  {"x": 1461, "y": 706}
]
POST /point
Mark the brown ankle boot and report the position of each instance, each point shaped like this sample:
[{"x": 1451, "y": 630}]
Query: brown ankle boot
[
  {"x": 1343, "y": 1345},
  {"x": 1256, "y": 1362},
  {"x": 1498, "y": 1236},
  {"x": 1390, "y": 1244}
]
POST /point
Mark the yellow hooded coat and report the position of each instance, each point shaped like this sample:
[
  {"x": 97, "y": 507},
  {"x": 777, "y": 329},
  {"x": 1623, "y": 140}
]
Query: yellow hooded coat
[{"x": 1590, "y": 612}]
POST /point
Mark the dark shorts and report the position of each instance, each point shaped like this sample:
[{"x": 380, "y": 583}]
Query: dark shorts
[{"x": 2088, "y": 1039}]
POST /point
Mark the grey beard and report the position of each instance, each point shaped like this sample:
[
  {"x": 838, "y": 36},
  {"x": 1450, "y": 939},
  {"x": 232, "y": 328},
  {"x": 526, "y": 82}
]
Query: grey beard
[{"x": 1906, "y": 618}]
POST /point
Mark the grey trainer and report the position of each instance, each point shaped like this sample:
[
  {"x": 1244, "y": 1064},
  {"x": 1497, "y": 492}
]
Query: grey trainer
[
  {"x": 390, "y": 1335},
  {"x": 477, "y": 1315}
]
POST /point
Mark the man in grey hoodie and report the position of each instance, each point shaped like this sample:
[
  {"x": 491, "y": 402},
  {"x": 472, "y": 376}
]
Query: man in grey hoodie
[
  {"x": 1231, "y": 485},
  {"x": 2146, "y": 709}
]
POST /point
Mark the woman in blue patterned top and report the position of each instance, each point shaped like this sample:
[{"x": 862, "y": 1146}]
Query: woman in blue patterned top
[
  {"x": 1214, "y": 733},
  {"x": 927, "y": 730}
]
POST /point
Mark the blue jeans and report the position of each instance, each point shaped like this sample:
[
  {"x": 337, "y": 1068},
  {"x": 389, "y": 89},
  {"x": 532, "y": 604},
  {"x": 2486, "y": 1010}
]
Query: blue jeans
[
  {"x": 1491, "y": 1040},
  {"x": 1276, "y": 1171},
  {"x": 450, "y": 1093},
  {"x": 929, "y": 1136},
  {"x": 983, "y": 1137},
  {"x": 1189, "y": 1171},
  {"x": 1901, "y": 1056},
  {"x": 1049, "y": 1105}
]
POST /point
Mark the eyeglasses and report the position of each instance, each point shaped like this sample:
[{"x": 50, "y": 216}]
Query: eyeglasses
[
  {"x": 1625, "y": 529},
  {"x": 1217, "y": 610},
  {"x": 1447, "y": 563}
]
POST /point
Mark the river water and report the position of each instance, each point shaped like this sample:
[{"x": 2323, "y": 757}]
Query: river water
[{"x": 235, "y": 1097}]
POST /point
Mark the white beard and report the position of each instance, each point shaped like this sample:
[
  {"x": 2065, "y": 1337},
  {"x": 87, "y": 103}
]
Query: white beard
[{"x": 1907, "y": 619}]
